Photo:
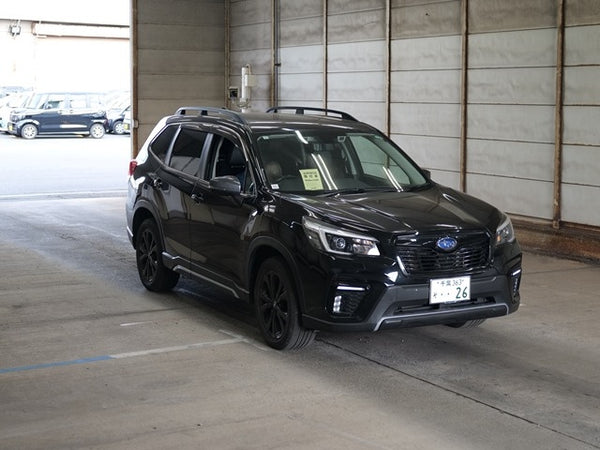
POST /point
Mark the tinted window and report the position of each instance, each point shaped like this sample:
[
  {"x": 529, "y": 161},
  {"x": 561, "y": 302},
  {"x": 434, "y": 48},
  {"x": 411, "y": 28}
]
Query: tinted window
[
  {"x": 227, "y": 158},
  {"x": 160, "y": 145},
  {"x": 187, "y": 150}
]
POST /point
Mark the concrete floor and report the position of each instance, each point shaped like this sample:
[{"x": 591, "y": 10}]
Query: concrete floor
[{"x": 89, "y": 359}]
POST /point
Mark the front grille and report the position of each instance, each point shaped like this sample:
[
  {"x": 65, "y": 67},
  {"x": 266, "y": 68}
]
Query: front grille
[{"x": 420, "y": 256}]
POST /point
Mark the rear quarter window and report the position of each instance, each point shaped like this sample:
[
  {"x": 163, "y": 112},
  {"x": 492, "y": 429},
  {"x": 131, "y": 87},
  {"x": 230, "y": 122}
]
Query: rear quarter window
[{"x": 161, "y": 143}]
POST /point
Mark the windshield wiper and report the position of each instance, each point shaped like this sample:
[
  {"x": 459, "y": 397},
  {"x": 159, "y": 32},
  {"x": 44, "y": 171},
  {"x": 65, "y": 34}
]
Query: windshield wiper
[{"x": 358, "y": 190}]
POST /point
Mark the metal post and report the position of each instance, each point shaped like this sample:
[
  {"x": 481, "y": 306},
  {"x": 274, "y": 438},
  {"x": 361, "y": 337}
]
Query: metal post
[
  {"x": 325, "y": 56},
  {"x": 558, "y": 113},
  {"x": 464, "y": 93},
  {"x": 275, "y": 63},
  {"x": 388, "y": 68},
  {"x": 134, "y": 77},
  {"x": 227, "y": 52}
]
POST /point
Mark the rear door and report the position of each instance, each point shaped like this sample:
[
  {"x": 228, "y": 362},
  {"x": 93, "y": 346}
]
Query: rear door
[
  {"x": 173, "y": 185},
  {"x": 77, "y": 116}
]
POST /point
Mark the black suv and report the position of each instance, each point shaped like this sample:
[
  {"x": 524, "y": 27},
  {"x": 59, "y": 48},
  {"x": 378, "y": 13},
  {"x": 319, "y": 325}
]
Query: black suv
[
  {"x": 60, "y": 113},
  {"x": 318, "y": 220}
]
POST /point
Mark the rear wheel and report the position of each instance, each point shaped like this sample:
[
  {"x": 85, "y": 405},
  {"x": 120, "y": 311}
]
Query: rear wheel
[
  {"x": 97, "y": 130},
  {"x": 148, "y": 252},
  {"x": 467, "y": 324},
  {"x": 29, "y": 131},
  {"x": 276, "y": 307}
]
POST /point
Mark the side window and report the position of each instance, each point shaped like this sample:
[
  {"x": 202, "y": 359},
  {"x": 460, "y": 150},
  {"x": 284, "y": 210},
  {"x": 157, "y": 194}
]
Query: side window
[
  {"x": 55, "y": 101},
  {"x": 161, "y": 143},
  {"x": 95, "y": 101},
  {"x": 78, "y": 101},
  {"x": 187, "y": 150},
  {"x": 227, "y": 158}
]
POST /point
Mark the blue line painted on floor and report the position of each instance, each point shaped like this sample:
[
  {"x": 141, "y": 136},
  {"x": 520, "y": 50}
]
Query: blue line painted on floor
[
  {"x": 56, "y": 364},
  {"x": 152, "y": 351}
]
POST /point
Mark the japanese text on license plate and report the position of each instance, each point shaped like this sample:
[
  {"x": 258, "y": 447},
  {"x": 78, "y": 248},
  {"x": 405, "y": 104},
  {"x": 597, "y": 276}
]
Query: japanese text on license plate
[{"x": 450, "y": 290}]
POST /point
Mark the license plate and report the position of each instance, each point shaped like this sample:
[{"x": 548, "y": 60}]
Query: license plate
[
  {"x": 10, "y": 127},
  {"x": 450, "y": 290}
]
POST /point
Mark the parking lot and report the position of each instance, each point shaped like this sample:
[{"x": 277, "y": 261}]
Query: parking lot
[{"x": 90, "y": 359}]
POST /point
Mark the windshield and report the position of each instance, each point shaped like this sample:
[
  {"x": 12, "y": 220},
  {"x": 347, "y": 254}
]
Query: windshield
[{"x": 331, "y": 160}]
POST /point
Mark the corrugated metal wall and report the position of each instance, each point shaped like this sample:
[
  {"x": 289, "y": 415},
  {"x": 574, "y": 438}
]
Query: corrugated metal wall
[
  {"x": 509, "y": 133},
  {"x": 179, "y": 58}
]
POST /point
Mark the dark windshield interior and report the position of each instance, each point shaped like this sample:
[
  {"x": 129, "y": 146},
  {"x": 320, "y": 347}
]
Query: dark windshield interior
[{"x": 328, "y": 159}]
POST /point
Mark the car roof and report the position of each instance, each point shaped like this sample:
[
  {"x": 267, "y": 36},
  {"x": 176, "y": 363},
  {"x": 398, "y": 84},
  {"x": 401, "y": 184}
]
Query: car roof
[{"x": 263, "y": 121}]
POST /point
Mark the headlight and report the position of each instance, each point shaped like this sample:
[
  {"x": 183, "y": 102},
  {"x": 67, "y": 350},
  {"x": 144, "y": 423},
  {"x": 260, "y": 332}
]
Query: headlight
[
  {"x": 335, "y": 240},
  {"x": 505, "y": 232}
]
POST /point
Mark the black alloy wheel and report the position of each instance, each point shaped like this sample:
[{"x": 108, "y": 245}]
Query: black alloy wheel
[
  {"x": 153, "y": 274},
  {"x": 276, "y": 307}
]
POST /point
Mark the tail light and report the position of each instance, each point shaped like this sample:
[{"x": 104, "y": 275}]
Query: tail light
[{"x": 132, "y": 165}]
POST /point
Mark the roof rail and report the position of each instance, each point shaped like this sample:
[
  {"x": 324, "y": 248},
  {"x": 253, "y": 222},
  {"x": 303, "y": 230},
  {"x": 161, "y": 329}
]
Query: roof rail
[
  {"x": 208, "y": 110},
  {"x": 302, "y": 109}
]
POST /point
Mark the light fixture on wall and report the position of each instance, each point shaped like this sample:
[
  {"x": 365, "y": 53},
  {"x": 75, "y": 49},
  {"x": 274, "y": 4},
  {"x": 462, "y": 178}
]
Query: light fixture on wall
[{"x": 15, "y": 28}]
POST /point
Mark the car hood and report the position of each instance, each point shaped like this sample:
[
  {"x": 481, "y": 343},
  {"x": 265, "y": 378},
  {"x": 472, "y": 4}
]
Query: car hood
[{"x": 433, "y": 208}]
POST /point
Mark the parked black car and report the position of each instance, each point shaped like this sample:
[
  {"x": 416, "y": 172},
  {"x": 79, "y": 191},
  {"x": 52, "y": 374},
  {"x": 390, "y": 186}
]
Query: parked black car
[
  {"x": 59, "y": 113},
  {"x": 319, "y": 221}
]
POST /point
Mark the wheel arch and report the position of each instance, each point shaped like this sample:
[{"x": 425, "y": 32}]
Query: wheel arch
[
  {"x": 142, "y": 213},
  {"x": 264, "y": 248},
  {"x": 28, "y": 120}
]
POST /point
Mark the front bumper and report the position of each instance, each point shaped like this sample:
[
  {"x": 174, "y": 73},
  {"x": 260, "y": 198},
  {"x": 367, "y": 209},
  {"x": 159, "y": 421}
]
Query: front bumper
[
  {"x": 13, "y": 128},
  {"x": 378, "y": 306}
]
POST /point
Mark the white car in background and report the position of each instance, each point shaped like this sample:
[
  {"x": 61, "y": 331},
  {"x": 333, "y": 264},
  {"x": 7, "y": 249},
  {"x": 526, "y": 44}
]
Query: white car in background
[{"x": 7, "y": 104}]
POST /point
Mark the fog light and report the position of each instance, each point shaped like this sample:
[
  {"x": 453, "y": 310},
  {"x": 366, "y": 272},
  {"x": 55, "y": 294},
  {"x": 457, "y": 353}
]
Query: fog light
[
  {"x": 337, "y": 303},
  {"x": 515, "y": 278}
]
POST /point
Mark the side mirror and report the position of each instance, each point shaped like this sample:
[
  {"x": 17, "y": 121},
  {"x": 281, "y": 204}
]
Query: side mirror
[{"x": 227, "y": 185}]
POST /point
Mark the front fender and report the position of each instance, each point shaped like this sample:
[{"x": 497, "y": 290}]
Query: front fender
[
  {"x": 263, "y": 247},
  {"x": 25, "y": 121}
]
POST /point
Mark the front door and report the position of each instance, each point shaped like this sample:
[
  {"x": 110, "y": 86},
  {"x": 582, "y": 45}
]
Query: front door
[
  {"x": 219, "y": 222},
  {"x": 52, "y": 111}
]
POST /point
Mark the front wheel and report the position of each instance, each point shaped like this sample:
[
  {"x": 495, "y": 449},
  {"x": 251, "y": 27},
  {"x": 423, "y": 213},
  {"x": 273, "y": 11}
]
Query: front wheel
[
  {"x": 118, "y": 127},
  {"x": 148, "y": 254},
  {"x": 97, "y": 130},
  {"x": 29, "y": 131},
  {"x": 276, "y": 307}
]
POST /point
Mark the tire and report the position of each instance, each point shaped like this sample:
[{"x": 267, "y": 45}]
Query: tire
[
  {"x": 118, "y": 127},
  {"x": 97, "y": 130},
  {"x": 29, "y": 131},
  {"x": 276, "y": 307},
  {"x": 148, "y": 254},
  {"x": 467, "y": 324}
]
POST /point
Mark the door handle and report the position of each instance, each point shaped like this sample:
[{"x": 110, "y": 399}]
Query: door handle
[{"x": 198, "y": 198}]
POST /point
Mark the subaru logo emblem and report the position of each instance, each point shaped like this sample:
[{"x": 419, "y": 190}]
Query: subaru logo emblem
[{"x": 446, "y": 244}]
